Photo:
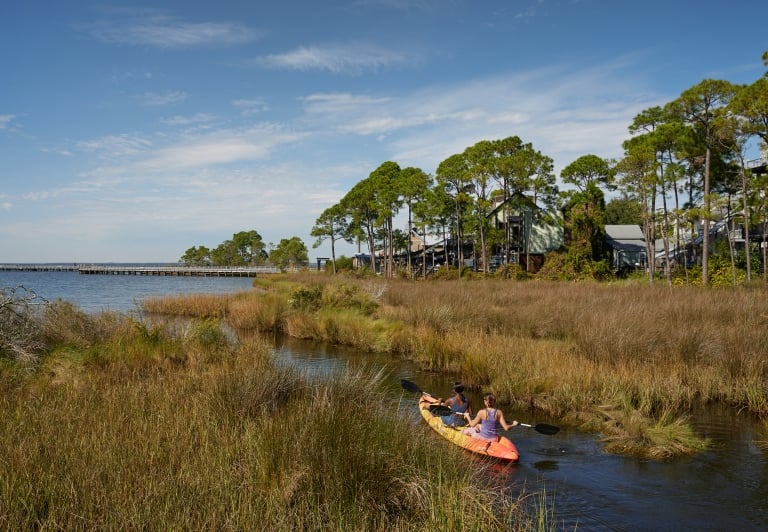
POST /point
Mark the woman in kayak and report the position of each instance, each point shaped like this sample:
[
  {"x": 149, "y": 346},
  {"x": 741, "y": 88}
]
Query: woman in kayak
[
  {"x": 459, "y": 407},
  {"x": 489, "y": 419}
]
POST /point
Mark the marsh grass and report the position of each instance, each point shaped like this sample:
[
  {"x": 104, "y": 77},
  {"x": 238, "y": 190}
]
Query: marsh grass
[
  {"x": 190, "y": 305},
  {"x": 573, "y": 351},
  {"x": 570, "y": 350},
  {"x": 143, "y": 425}
]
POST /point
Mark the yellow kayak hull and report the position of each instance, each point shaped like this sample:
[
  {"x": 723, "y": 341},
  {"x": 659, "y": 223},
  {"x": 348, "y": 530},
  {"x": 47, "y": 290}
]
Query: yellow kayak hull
[{"x": 502, "y": 448}]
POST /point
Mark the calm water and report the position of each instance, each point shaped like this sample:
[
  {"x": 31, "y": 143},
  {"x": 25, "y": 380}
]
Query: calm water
[
  {"x": 725, "y": 488},
  {"x": 121, "y": 293}
]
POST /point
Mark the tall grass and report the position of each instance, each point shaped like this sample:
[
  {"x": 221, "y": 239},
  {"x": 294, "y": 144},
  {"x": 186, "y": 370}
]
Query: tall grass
[
  {"x": 575, "y": 351},
  {"x": 145, "y": 426}
]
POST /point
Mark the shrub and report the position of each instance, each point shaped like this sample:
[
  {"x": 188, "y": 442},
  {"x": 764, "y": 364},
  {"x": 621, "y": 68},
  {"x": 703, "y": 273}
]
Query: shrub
[
  {"x": 306, "y": 298},
  {"x": 20, "y": 325},
  {"x": 348, "y": 296},
  {"x": 512, "y": 271}
]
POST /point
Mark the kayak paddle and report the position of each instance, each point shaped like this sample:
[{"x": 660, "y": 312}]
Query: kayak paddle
[
  {"x": 413, "y": 387},
  {"x": 542, "y": 428},
  {"x": 440, "y": 410}
]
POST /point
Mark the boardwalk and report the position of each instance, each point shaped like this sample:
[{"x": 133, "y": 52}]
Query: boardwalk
[
  {"x": 117, "y": 269},
  {"x": 179, "y": 271}
]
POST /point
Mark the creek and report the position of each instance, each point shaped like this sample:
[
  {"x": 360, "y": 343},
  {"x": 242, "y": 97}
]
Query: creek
[{"x": 724, "y": 488}]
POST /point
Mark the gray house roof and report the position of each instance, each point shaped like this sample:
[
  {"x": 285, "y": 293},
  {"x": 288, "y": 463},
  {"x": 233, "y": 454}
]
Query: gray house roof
[
  {"x": 624, "y": 232},
  {"x": 625, "y": 237}
]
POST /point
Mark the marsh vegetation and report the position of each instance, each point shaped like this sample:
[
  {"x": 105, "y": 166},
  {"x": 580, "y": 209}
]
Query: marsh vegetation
[
  {"x": 627, "y": 361},
  {"x": 117, "y": 422}
]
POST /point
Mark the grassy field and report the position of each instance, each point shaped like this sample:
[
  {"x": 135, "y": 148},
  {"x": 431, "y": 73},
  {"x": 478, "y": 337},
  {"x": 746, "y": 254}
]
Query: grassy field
[
  {"x": 626, "y": 360},
  {"x": 122, "y": 423}
]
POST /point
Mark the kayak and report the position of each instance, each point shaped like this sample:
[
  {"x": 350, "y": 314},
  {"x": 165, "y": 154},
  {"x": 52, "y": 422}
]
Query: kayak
[{"x": 502, "y": 449}]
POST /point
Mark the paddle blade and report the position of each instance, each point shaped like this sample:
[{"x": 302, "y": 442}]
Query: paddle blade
[
  {"x": 546, "y": 429},
  {"x": 440, "y": 410},
  {"x": 411, "y": 387},
  {"x": 542, "y": 428}
]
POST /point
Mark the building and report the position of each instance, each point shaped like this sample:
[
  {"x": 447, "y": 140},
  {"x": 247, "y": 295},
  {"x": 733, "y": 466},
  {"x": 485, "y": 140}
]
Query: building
[
  {"x": 627, "y": 245},
  {"x": 530, "y": 232}
]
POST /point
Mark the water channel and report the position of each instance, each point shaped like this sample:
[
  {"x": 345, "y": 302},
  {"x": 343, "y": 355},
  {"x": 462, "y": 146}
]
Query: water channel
[{"x": 725, "y": 488}]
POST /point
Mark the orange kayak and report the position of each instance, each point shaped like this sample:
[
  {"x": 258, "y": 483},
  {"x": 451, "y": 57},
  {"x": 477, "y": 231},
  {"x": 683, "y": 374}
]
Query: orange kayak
[{"x": 503, "y": 448}]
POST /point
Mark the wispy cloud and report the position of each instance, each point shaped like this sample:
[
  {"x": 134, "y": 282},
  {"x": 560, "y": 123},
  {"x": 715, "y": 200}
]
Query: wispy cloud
[
  {"x": 250, "y": 106},
  {"x": 565, "y": 111},
  {"x": 337, "y": 102},
  {"x": 113, "y": 147},
  {"x": 153, "y": 28},
  {"x": 219, "y": 148},
  {"x": 530, "y": 10},
  {"x": 351, "y": 58},
  {"x": 405, "y": 5},
  {"x": 5, "y": 121},
  {"x": 213, "y": 182},
  {"x": 163, "y": 98},
  {"x": 199, "y": 118}
]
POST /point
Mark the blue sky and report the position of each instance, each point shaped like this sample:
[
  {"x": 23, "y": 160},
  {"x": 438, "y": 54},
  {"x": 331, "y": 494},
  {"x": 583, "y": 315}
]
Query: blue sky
[{"x": 130, "y": 132}]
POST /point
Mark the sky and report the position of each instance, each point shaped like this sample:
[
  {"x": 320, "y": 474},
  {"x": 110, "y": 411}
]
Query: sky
[{"x": 132, "y": 131}]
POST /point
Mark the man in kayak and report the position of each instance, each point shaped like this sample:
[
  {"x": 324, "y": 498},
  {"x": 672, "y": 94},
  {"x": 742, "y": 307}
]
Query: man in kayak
[
  {"x": 459, "y": 407},
  {"x": 489, "y": 419}
]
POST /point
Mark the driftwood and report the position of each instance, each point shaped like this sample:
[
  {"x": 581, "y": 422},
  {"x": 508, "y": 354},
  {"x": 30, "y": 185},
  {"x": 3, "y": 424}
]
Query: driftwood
[{"x": 20, "y": 337}]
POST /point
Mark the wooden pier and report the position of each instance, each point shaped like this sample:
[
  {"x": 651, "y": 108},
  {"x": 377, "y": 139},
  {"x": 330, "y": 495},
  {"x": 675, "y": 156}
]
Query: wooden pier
[
  {"x": 117, "y": 269},
  {"x": 180, "y": 271},
  {"x": 38, "y": 268}
]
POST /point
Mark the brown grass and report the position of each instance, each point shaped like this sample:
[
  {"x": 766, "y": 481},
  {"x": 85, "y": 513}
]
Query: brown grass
[
  {"x": 571, "y": 350},
  {"x": 147, "y": 425}
]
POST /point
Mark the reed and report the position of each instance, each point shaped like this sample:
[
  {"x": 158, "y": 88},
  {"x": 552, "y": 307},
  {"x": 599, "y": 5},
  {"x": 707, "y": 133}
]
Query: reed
[
  {"x": 571, "y": 350},
  {"x": 153, "y": 425},
  {"x": 189, "y": 305}
]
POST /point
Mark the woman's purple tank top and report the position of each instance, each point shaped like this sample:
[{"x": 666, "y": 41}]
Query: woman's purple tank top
[{"x": 488, "y": 426}]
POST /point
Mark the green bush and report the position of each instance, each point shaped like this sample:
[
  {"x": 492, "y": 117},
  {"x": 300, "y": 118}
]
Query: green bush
[
  {"x": 512, "y": 271},
  {"x": 306, "y": 298},
  {"x": 342, "y": 264},
  {"x": 348, "y": 296}
]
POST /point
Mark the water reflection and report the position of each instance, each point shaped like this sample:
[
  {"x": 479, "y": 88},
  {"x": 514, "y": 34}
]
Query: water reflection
[{"x": 725, "y": 488}]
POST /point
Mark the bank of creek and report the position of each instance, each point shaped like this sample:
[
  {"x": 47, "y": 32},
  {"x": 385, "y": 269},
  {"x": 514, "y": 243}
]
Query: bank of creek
[{"x": 724, "y": 488}]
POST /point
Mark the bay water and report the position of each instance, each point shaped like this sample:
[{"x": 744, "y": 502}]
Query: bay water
[{"x": 116, "y": 293}]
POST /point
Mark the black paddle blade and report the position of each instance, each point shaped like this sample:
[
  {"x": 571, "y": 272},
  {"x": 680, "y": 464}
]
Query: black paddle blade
[
  {"x": 543, "y": 428},
  {"x": 546, "y": 429},
  {"x": 411, "y": 387},
  {"x": 440, "y": 410}
]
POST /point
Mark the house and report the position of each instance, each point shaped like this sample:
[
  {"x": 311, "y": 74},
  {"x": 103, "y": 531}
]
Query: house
[
  {"x": 530, "y": 231},
  {"x": 627, "y": 245}
]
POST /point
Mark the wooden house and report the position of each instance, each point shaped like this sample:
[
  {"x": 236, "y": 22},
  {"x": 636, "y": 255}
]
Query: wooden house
[{"x": 529, "y": 231}]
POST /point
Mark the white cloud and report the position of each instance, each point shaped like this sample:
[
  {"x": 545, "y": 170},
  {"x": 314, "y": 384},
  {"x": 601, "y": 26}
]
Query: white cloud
[
  {"x": 219, "y": 147},
  {"x": 199, "y": 118},
  {"x": 5, "y": 120},
  {"x": 164, "y": 98},
  {"x": 565, "y": 112},
  {"x": 250, "y": 106},
  {"x": 337, "y": 102},
  {"x": 151, "y": 28},
  {"x": 278, "y": 177},
  {"x": 115, "y": 146},
  {"x": 351, "y": 58},
  {"x": 406, "y": 5}
]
